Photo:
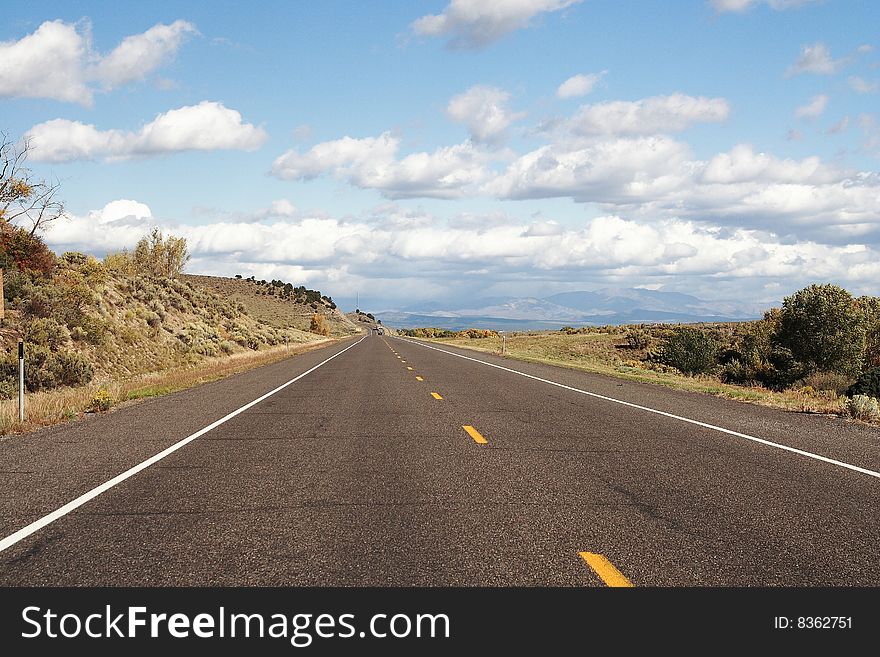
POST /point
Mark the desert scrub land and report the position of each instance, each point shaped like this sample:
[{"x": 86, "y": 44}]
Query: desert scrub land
[
  {"x": 277, "y": 303},
  {"x": 819, "y": 353},
  {"x": 95, "y": 331}
]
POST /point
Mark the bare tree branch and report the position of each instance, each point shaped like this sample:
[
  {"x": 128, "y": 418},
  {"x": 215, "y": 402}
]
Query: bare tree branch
[{"x": 22, "y": 197}]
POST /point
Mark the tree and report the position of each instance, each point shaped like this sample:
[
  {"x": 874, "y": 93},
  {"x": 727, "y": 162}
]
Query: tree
[
  {"x": 161, "y": 256},
  {"x": 824, "y": 329},
  {"x": 23, "y": 197},
  {"x": 689, "y": 350}
]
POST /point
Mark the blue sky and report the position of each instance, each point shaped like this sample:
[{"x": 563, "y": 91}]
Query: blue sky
[{"x": 427, "y": 150}]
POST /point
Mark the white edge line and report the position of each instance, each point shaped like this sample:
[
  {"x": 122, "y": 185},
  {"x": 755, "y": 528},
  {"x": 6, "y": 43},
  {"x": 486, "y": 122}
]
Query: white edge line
[
  {"x": 35, "y": 526},
  {"x": 770, "y": 443}
]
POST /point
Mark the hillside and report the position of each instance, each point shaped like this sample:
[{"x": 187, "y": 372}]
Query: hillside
[
  {"x": 280, "y": 305},
  {"x": 90, "y": 322},
  {"x": 368, "y": 321}
]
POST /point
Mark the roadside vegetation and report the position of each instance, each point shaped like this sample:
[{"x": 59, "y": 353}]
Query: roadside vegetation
[
  {"x": 819, "y": 352},
  {"x": 133, "y": 325}
]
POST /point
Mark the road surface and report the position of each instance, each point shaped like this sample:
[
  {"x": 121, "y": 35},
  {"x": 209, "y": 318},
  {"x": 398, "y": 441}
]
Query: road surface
[{"x": 392, "y": 462}]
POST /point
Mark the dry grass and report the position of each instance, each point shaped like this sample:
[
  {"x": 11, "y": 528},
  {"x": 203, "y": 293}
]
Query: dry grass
[
  {"x": 275, "y": 311},
  {"x": 63, "y": 404},
  {"x": 604, "y": 354}
]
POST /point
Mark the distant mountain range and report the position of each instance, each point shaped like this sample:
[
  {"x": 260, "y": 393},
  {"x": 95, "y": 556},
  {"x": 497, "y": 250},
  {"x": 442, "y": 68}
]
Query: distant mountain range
[{"x": 605, "y": 306}]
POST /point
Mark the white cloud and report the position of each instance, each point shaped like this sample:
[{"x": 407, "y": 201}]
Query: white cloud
[
  {"x": 372, "y": 163},
  {"x": 474, "y": 24},
  {"x": 206, "y": 126},
  {"x": 814, "y": 109},
  {"x": 339, "y": 256},
  {"x": 862, "y": 86},
  {"x": 484, "y": 111},
  {"x": 140, "y": 54},
  {"x": 579, "y": 85},
  {"x": 45, "y": 64},
  {"x": 816, "y": 58},
  {"x": 672, "y": 113},
  {"x": 722, "y": 6},
  {"x": 56, "y": 61}
]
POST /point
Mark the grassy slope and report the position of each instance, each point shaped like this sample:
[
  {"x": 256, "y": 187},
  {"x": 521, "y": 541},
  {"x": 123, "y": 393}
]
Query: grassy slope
[
  {"x": 274, "y": 310},
  {"x": 605, "y": 354},
  {"x": 154, "y": 336}
]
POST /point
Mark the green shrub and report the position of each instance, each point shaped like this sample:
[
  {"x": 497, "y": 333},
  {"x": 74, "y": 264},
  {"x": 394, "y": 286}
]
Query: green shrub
[
  {"x": 227, "y": 347},
  {"x": 637, "y": 338},
  {"x": 72, "y": 369},
  {"x": 862, "y": 407},
  {"x": 8, "y": 388},
  {"x": 824, "y": 328},
  {"x": 689, "y": 350},
  {"x": 868, "y": 383},
  {"x": 46, "y": 332}
]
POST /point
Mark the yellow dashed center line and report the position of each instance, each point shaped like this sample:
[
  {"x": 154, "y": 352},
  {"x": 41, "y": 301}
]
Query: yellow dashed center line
[
  {"x": 436, "y": 396},
  {"x": 418, "y": 378},
  {"x": 605, "y": 570},
  {"x": 476, "y": 435},
  {"x": 409, "y": 368}
]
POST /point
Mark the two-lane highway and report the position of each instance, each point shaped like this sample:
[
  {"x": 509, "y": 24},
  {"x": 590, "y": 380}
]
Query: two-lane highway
[{"x": 385, "y": 461}]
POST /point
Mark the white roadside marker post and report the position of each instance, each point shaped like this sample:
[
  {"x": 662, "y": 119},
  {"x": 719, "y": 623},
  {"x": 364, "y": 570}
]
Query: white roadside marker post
[{"x": 20, "y": 381}]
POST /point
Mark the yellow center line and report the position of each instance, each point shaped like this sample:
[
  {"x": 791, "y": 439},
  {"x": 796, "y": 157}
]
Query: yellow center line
[
  {"x": 605, "y": 570},
  {"x": 476, "y": 435},
  {"x": 418, "y": 378},
  {"x": 409, "y": 368},
  {"x": 436, "y": 396}
]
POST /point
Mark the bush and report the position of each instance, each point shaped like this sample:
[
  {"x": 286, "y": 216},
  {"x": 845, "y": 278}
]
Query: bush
[
  {"x": 46, "y": 332},
  {"x": 227, "y": 347},
  {"x": 831, "y": 381},
  {"x": 862, "y": 407},
  {"x": 824, "y": 329},
  {"x": 102, "y": 401},
  {"x": 637, "y": 338},
  {"x": 689, "y": 350},
  {"x": 867, "y": 384},
  {"x": 25, "y": 252},
  {"x": 318, "y": 325},
  {"x": 73, "y": 370}
]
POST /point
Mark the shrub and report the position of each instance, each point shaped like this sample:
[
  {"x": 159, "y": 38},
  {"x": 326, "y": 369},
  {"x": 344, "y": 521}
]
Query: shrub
[
  {"x": 8, "y": 388},
  {"x": 824, "y": 328},
  {"x": 318, "y": 325},
  {"x": 25, "y": 252},
  {"x": 836, "y": 383},
  {"x": 102, "y": 401},
  {"x": 227, "y": 347},
  {"x": 781, "y": 369},
  {"x": 862, "y": 407},
  {"x": 867, "y": 384},
  {"x": 46, "y": 332},
  {"x": 153, "y": 320},
  {"x": 73, "y": 370},
  {"x": 689, "y": 350},
  {"x": 637, "y": 338}
]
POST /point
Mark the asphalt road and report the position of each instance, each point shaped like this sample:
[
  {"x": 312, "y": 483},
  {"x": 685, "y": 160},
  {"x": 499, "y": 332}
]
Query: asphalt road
[{"x": 356, "y": 474}]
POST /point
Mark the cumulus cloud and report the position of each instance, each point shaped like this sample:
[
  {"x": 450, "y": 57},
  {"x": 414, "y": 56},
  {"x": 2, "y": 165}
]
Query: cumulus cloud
[
  {"x": 206, "y": 126},
  {"x": 814, "y": 109},
  {"x": 484, "y": 111},
  {"x": 579, "y": 85},
  {"x": 656, "y": 114},
  {"x": 56, "y": 61},
  {"x": 723, "y": 6},
  {"x": 372, "y": 163},
  {"x": 815, "y": 58},
  {"x": 473, "y": 24},
  {"x": 339, "y": 256},
  {"x": 139, "y": 54}
]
